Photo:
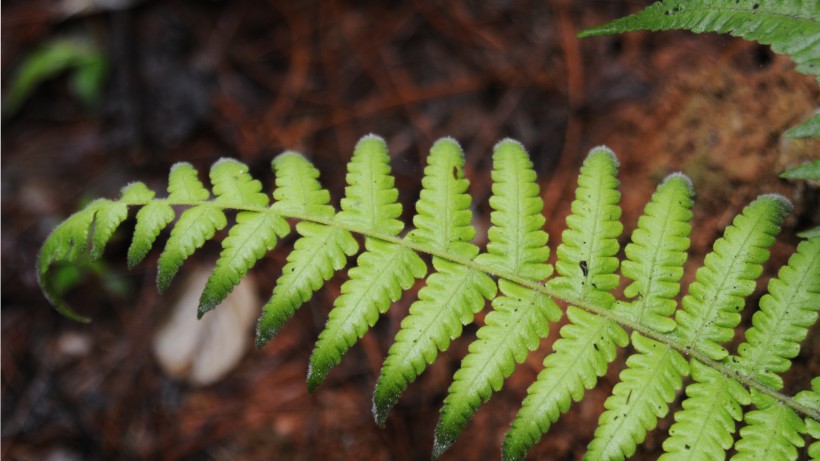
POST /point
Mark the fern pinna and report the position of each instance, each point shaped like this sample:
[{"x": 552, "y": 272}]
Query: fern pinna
[{"x": 668, "y": 342}]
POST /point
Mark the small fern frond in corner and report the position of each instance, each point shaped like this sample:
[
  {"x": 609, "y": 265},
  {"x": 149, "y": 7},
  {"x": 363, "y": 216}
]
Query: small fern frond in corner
[
  {"x": 520, "y": 316},
  {"x": 791, "y": 27},
  {"x": 382, "y": 272},
  {"x": 452, "y": 294},
  {"x": 586, "y": 266}
]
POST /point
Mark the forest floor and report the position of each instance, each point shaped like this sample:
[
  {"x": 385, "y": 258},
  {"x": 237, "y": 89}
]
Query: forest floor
[{"x": 196, "y": 81}]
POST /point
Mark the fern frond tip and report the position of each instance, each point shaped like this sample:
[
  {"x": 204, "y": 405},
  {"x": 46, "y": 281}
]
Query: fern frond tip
[
  {"x": 604, "y": 150},
  {"x": 447, "y": 140},
  {"x": 682, "y": 177},
  {"x": 508, "y": 142}
]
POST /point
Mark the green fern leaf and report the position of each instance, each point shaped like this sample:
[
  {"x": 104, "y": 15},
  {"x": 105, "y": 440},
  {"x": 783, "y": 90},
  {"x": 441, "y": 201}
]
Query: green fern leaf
[
  {"x": 648, "y": 384},
  {"x": 443, "y": 218},
  {"x": 151, "y": 220},
  {"x": 811, "y": 399},
  {"x": 586, "y": 348},
  {"x": 586, "y": 266},
  {"x": 195, "y": 226},
  {"x": 586, "y": 256},
  {"x": 517, "y": 244},
  {"x": 791, "y": 27},
  {"x": 518, "y": 321},
  {"x": 253, "y": 235},
  {"x": 450, "y": 299},
  {"x": 321, "y": 251},
  {"x": 382, "y": 272},
  {"x": 520, "y": 316},
  {"x": 370, "y": 196},
  {"x": 453, "y": 294},
  {"x": 654, "y": 373},
  {"x": 809, "y": 171},
  {"x": 703, "y": 429},
  {"x": 773, "y": 432},
  {"x": 712, "y": 308},
  {"x": 69, "y": 243},
  {"x": 786, "y": 312},
  {"x": 657, "y": 253}
]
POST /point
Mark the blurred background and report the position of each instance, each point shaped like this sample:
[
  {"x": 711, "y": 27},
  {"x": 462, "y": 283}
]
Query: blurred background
[{"x": 98, "y": 93}]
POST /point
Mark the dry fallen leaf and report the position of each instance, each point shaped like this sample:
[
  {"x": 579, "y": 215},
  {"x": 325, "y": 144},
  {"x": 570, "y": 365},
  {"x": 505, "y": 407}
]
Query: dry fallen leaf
[{"x": 204, "y": 351}]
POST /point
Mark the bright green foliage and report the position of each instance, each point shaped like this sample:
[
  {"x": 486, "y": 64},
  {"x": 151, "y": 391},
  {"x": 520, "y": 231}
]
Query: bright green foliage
[
  {"x": 791, "y": 27},
  {"x": 518, "y": 321},
  {"x": 250, "y": 239},
  {"x": 443, "y": 218},
  {"x": 370, "y": 196},
  {"x": 195, "y": 226},
  {"x": 586, "y": 348},
  {"x": 648, "y": 384},
  {"x": 586, "y": 256},
  {"x": 69, "y": 243},
  {"x": 703, "y": 429},
  {"x": 519, "y": 317},
  {"x": 321, "y": 251},
  {"x": 811, "y": 399},
  {"x": 586, "y": 264},
  {"x": 151, "y": 220},
  {"x": 517, "y": 243},
  {"x": 517, "y": 255},
  {"x": 773, "y": 432},
  {"x": 712, "y": 308},
  {"x": 785, "y": 314},
  {"x": 654, "y": 373},
  {"x": 657, "y": 253},
  {"x": 381, "y": 274},
  {"x": 449, "y": 299},
  {"x": 453, "y": 294}
]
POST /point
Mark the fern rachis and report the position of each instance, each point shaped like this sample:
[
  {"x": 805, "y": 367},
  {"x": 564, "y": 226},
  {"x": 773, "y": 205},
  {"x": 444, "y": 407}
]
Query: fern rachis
[{"x": 523, "y": 300}]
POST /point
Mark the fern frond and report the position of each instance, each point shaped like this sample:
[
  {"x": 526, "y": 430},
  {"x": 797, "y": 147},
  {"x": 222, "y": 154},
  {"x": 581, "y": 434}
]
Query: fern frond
[
  {"x": 321, "y": 250},
  {"x": 772, "y": 432},
  {"x": 586, "y": 348},
  {"x": 811, "y": 399},
  {"x": 151, "y": 220},
  {"x": 370, "y": 195},
  {"x": 656, "y": 256},
  {"x": 517, "y": 244},
  {"x": 453, "y": 294},
  {"x": 520, "y": 316},
  {"x": 711, "y": 309},
  {"x": 518, "y": 321},
  {"x": 69, "y": 243},
  {"x": 195, "y": 226},
  {"x": 443, "y": 218},
  {"x": 586, "y": 256},
  {"x": 808, "y": 129},
  {"x": 649, "y": 383},
  {"x": 253, "y": 235},
  {"x": 586, "y": 266},
  {"x": 653, "y": 374},
  {"x": 383, "y": 272},
  {"x": 703, "y": 429},
  {"x": 786, "y": 312},
  {"x": 791, "y": 27}
]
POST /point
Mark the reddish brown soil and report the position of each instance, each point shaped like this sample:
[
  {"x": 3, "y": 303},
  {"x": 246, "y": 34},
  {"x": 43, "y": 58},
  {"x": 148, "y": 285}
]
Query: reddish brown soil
[{"x": 195, "y": 81}]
